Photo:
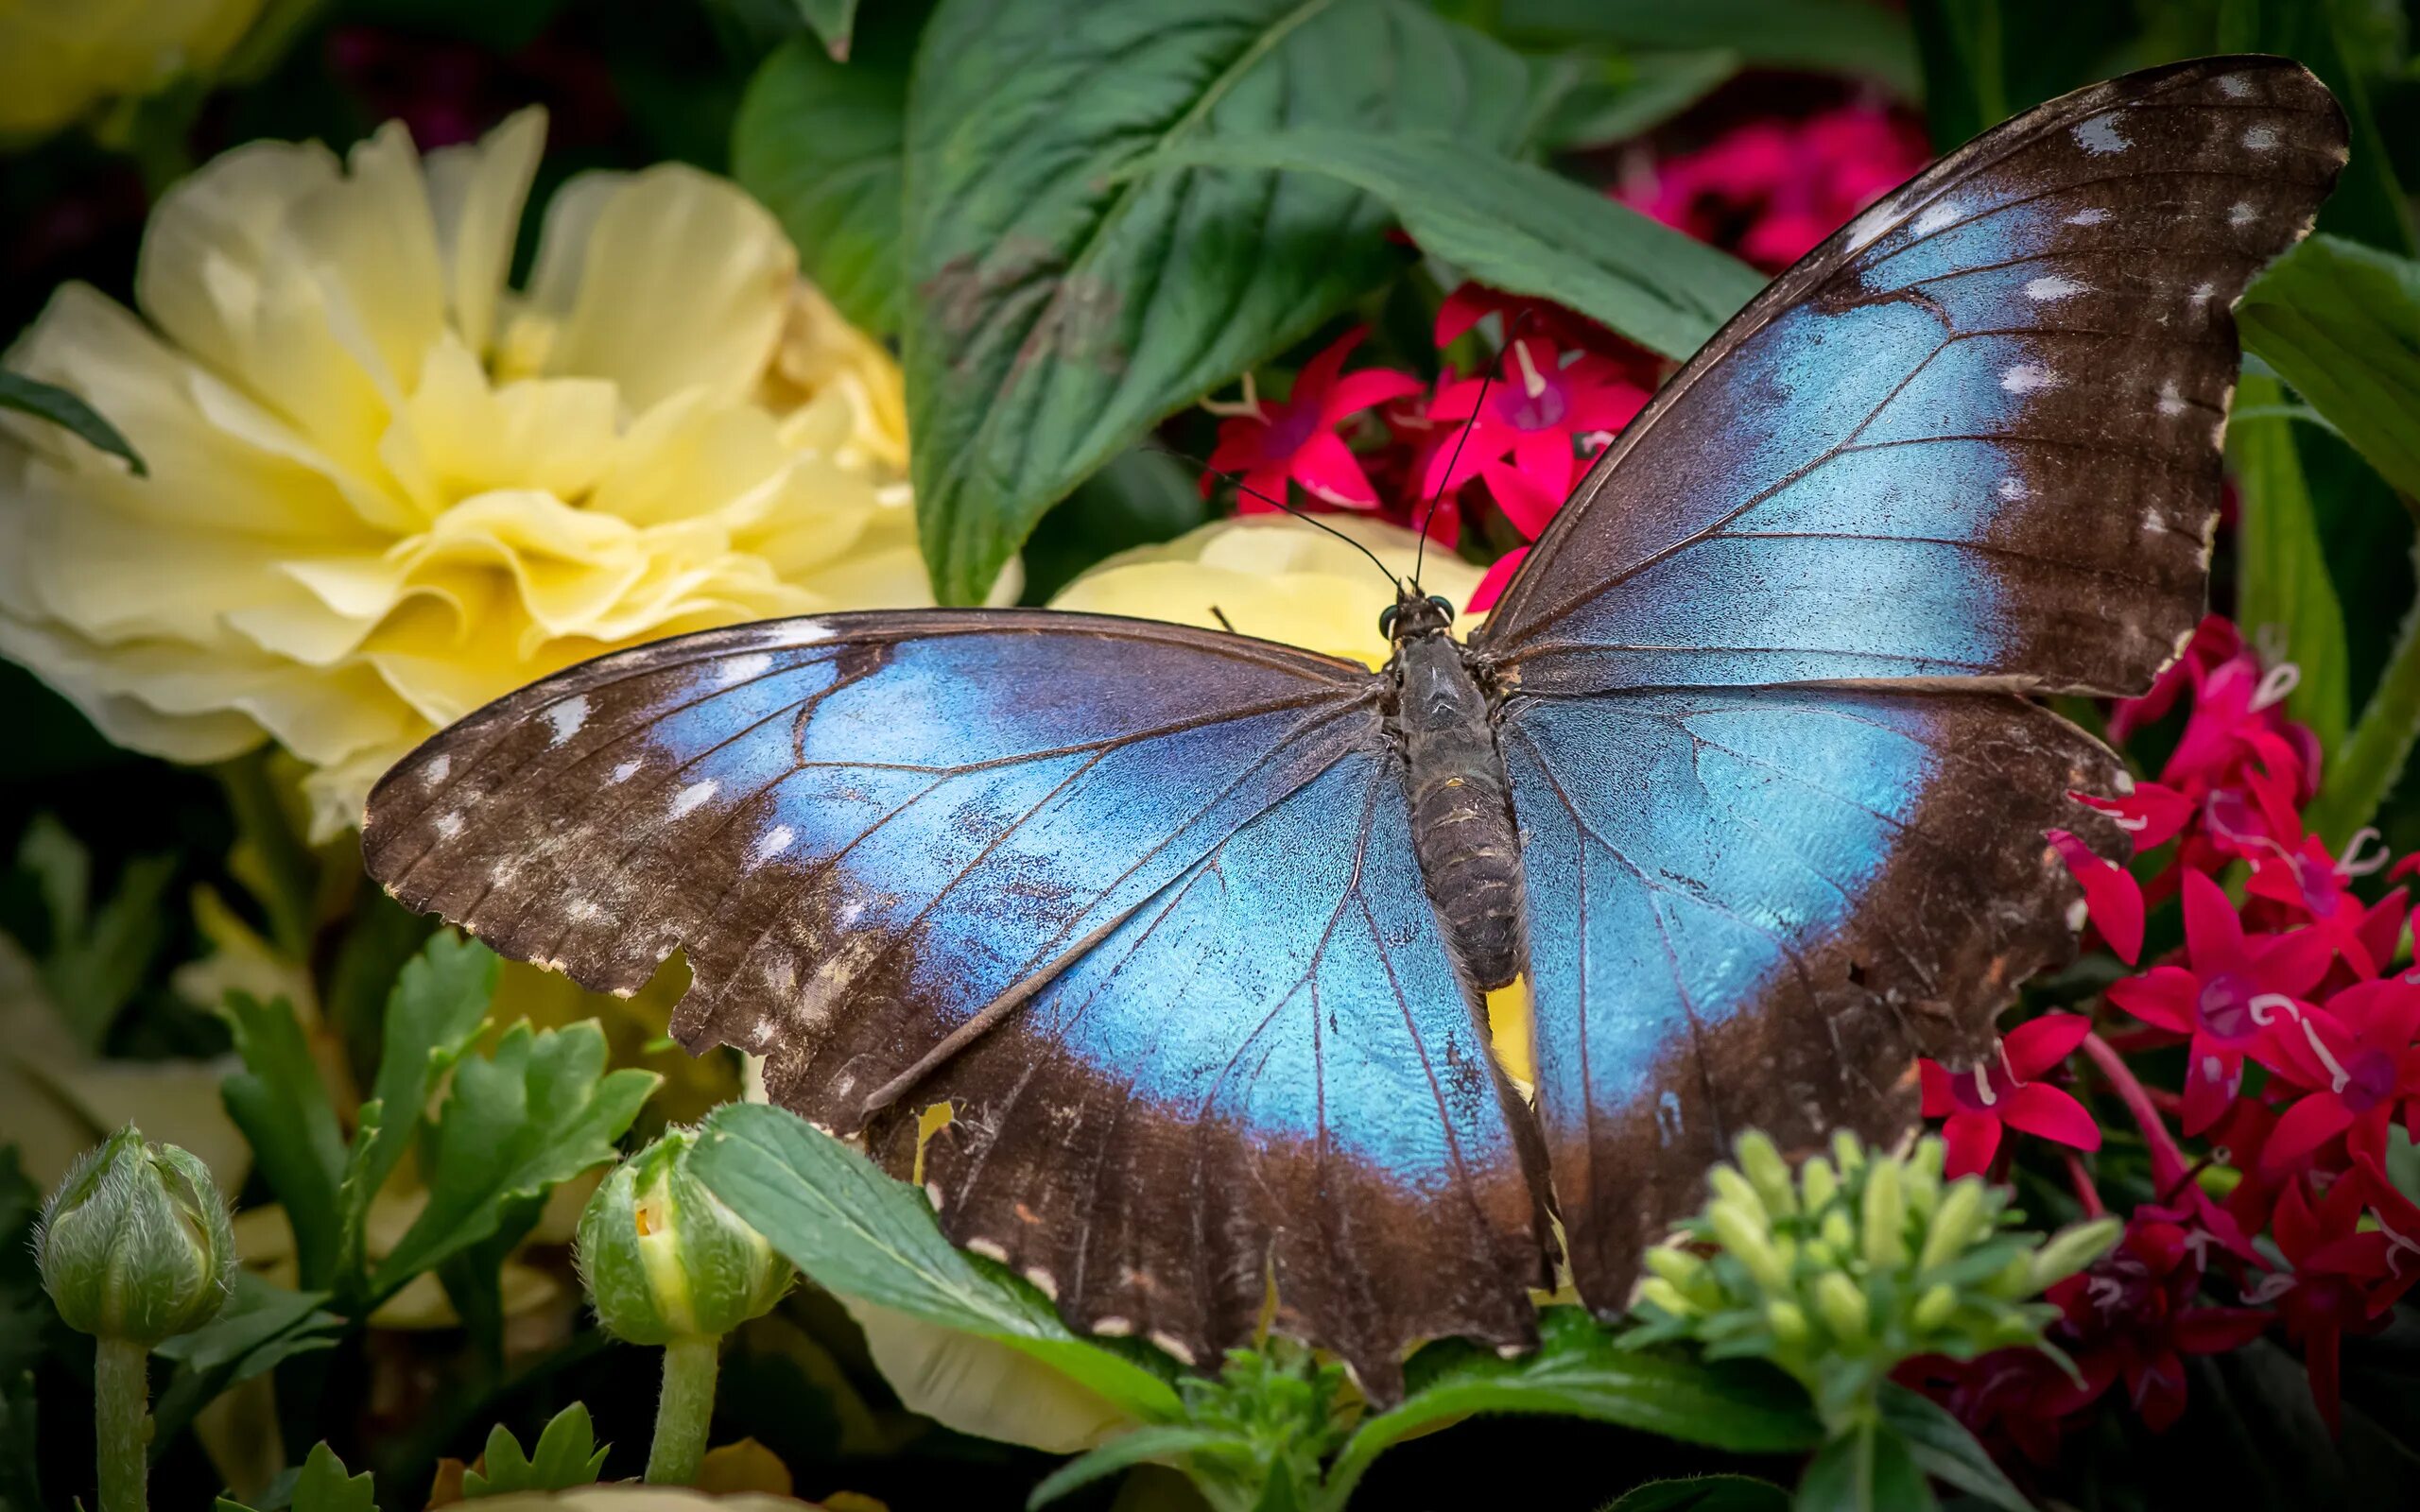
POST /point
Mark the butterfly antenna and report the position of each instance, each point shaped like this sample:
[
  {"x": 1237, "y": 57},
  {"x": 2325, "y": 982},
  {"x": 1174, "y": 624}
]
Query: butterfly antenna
[
  {"x": 1304, "y": 515},
  {"x": 1428, "y": 511}
]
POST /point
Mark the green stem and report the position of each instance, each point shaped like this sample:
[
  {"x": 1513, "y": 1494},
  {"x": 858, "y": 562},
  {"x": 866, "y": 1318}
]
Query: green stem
[
  {"x": 681, "y": 1418},
  {"x": 121, "y": 1395},
  {"x": 2363, "y": 770}
]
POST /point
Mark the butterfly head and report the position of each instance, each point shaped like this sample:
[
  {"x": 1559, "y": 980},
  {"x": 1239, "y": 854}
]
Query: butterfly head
[{"x": 1412, "y": 615}]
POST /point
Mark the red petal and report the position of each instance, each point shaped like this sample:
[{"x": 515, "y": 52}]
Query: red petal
[
  {"x": 2111, "y": 896},
  {"x": 1938, "y": 1101},
  {"x": 2292, "y": 963},
  {"x": 2319, "y": 1358},
  {"x": 1365, "y": 389},
  {"x": 1319, "y": 374},
  {"x": 1492, "y": 587},
  {"x": 2162, "y": 997},
  {"x": 1327, "y": 468},
  {"x": 1527, "y": 505},
  {"x": 1972, "y": 1140},
  {"x": 2305, "y": 1127},
  {"x": 2217, "y": 1329},
  {"x": 2207, "y": 1097},
  {"x": 2038, "y": 1044},
  {"x": 2213, "y": 933},
  {"x": 1465, "y": 307},
  {"x": 2051, "y": 1114}
]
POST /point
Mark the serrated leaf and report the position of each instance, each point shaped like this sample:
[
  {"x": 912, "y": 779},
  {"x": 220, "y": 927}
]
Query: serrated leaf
[
  {"x": 1056, "y": 310},
  {"x": 2341, "y": 322},
  {"x": 2282, "y": 583},
  {"x": 474, "y": 1277},
  {"x": 1166, "y": 1444},
  {"x": 281, "y": 1106},
  {"x": 1868, "y": 1469},
  {"x": 437, "y": 1006},
  {"x": 1704, "y": 1493},
  {"x": 262, "y": 1325},
  {"x": 537, "y": 1112},
  {"x": 1943, "y": 1449},
  {"x": 97, "y": 957},
  {"x": 1844, "y": 36},
  {"x": 856, "y": 1231},
  {"x": 567, "y": 1455},
  {"x": 820, "y": 144},
  {"x": 323, "y": 1485},
  {"x": 1512, "y": 226},
  {"x": 1577, "y": 1370},
  {"x": 48, "y": 402}
]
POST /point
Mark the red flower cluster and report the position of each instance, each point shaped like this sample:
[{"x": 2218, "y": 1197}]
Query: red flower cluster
[{"x": 2299, "y": 1019}]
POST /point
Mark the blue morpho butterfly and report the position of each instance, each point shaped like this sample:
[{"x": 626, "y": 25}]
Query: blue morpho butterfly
[{"x": 1188, "y": 928}]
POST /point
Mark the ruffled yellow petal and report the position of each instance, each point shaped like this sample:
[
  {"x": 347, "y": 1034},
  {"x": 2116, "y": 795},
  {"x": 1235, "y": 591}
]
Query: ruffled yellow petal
[{"x": 476, "y": 193}]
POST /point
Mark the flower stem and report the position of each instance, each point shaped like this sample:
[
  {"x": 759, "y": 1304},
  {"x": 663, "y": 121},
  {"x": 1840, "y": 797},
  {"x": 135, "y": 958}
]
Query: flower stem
[
  {"x": 681, "y": 1416},
  {"x": 2167, "y": 1160},
  {"x": 121, "y": 1420}
]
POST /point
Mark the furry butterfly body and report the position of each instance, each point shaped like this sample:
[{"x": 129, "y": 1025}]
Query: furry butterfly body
[{"x": 1189, "y": 929}]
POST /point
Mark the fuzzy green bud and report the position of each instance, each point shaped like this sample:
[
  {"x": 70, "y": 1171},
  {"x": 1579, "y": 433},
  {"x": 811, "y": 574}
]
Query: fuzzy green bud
[
  {"x": 1743, "y": 1232},
  {"x": 1843, "y": 1308},
  {"x": 1675, "y": 1265},
  {"x": 1956, "y": 1225},
  {"x": 1788, "y": 1322},
  {"x": 1886, "y": 1214},
  {"x": 1760, "y": 1161},
  {"x": 1848, "y": 1152},
  {"x": 1935, "y": 1308},
  {"x": 1732, "y": 1187},
  {"x": 1663, "y": 1294},
  {"x": 2070, "y": 1250},
  {"x": 1839, "y": 1230},
  {"x": 136, "y": 1245},
  {"x": 1819, "y": 1183},
  {"x": 664, "y": 1261}
]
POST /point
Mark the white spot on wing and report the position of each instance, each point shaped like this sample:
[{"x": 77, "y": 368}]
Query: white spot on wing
[
  {"x": 1939, "y": 213},
  {"x": 624, "y": 772},
  {"x": 2089, "y": 215},
  {"x": 2027, "y": 377},
  {"x": 1112, "y": 1326},
  {"x": 988, "y": 1249},
  {"x": 741, "y": 668},
  {"x": 2170, "y": 402},
  {"x": 435, "y": 772},
  {"x": 776, "y": 840},
  {"x": 2260, "y": 138},
  {"x": 2241, "y": 213},
  {"x": 794, "y": 632},
  {"x": 1169, "y": 1344},
  {"x": 1875, "y": 219},
  {"x": 2054, "y": 287},
  {"x": 687, "y": 800},
  {"x": 2234, "y": 86},
  {"x": 2100, "y": 136},
  {"x": 2012, "y": 490},
  {"x": 567, "y": 716},
  {"x": 584, "y": 910},
  {"x": 2155, "y": 524},
  {"x": 1043, "y": 1282},
  {"x": 449, "y": 824}
]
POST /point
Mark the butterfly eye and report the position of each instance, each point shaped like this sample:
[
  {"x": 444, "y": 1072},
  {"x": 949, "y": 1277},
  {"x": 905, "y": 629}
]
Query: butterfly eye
[
  {"x": 1387, "y": 620},
  {"x": 1443, "y": 605}
]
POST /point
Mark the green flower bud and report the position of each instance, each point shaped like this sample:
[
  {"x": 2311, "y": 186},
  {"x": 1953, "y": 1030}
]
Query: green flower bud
[
  {"x": 1848, "y": 1153},
  {"x": 1760, "y": 1161},
  {"x": 664, "y": 1261},
  {"x": 1839, "y": 1230},
  {"x": 1788, "y": 1322},
  {"x": 1750, "y": 1242},
  {"x": 1935, "y": 1308},
  {"x": 1843, "y": 1308},
  {"x": 1886, "y": 1214},
  {"x": 1955, "y": 1227},
  {"x": 1819, "y": 1182},
  {"x": 2070, "y": 1250},
  {"x": 1675, "y": 1265},
  {"x": 1731, "y": 1186},
  {"x": 1663, "y": 1294},
  {"x": 135, "y": 1245}
]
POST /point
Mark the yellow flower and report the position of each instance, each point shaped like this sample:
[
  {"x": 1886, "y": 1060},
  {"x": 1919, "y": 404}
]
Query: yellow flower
[
  {"x": 386, "y": 487},
  {"x": 1275, "y": 577},
  {"x": 60, "y": 57}
]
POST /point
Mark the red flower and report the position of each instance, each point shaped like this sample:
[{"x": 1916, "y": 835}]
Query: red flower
[
  {"x": 2001, "y": 1093},
  {"x": 1769, "y": 190},
  {"x": 2152, "y": 812},
  {"x": 2231, "y": 995},
  {"x": 1470, "y": 303},
  {"x": 2014, "y": 1398},
  {"x": 2214, "y": 641},
  {"x": 2238, "y": 720},
  {"x": 2136, "y": 1313},
  {"x": 2326, "y": 1296},
  {"x": 1540, "y": 415},
  {"x": 1491, "y": 587},
  {"x": 2398, "y": 1220},
  {"x": 1271, "y": 442},
  {"x": 2303, "y": 882},
  {"x": 2356, "y": 1055},
  {"x": 2110, "y": 899}
]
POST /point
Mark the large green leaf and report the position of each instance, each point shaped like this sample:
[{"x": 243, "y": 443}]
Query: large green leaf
[
  {"x": 1167, "y": 1443},
  {"x": 1605, "y": 97},
  {"x": 281, "y": 1106},
  {"x": 1871, "y": 1467},
  {"x": 1942, "y": 1448},
  {"x": 262, "y": 1325},
  {"x": 1579, "y": 1371},
  {"x": 1513, "y": 226},
  {"x": 818, "y": 143},
  {"x": 831, "y": 21},
  {"x": 30, "y": 396},
  {"x": 1962, "y": 45},
  {"x": 856, "y": 1231},
  {"x": 1057, "y": 308},
  {"x": 1846, "y": 36},
  {"x": 1705, "y": 1493},
  {"x": 2281, "y": 569},
  {"x": 2341, "y": 322},
  {"x": 537, "y": 1112}
]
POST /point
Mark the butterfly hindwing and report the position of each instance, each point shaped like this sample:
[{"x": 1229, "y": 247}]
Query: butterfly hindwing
[
  {"x": 1136, "y": 901},
  {"x": 1974, "y": 435}
]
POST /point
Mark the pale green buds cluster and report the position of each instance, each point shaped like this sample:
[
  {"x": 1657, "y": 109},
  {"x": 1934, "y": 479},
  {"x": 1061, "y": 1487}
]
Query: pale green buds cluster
[
  {"x": 664, "y": 1261},
  {"x": 1856, "y": 1261},
  {"x": 136, "y": 1245}
]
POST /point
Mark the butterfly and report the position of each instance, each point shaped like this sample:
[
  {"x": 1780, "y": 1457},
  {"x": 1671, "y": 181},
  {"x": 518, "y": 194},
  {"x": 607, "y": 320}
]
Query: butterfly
[{"x": 1189, "y": 931}]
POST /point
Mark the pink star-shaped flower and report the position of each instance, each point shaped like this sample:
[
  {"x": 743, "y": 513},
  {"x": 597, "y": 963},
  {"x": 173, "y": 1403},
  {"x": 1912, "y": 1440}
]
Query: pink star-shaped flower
[
  {"x": 1538, "y": 415},
  {"x": 2325, "y": 1294},
  {"x": 1274, "y": 442},
  {"x": 2234, "y": 990},
  {"x": 2002, "y": 1092},
  {"x": 2111, "y": 898},
  {"x": 2355, "y": 1053}
]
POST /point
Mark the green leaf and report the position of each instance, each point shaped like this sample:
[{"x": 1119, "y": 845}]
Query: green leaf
[
  {"x": 820, "y": 144},
  {"x": 262, "y": 1325},
  {"x": 323, "y": 1485},
  {"x": 831, "y": 21},
  {"x": 1580, "y": 1371},
  {"x": 1961, "y": 43},
  {"x": 858, "y": 1232},
  {"x": 1166, "y": 1444},
  {"x": 2368, "y": 203},
  {"x": 1705, "y": 1493},
  {"x": 97, "y": 958},
  {"x": 567, "y": 1456},
  {"x": 1868, "y": 1469},
  {"x": 439, "y": 1003},
  {"x": 2365, "y": 768},
  {"x": 1844, "y": 36},
  {"x": 29, "y": 396},
  {"x": 1942, "y": 1448},
  {"x": 1603, "y": 98},
  {"x": 281, "y": 1104},
  {"x": 474, "y": 1277},
  {"x": 539, "y": 1111},
  {"x": 2341, "y": 322},
  {"x": 1516, "y": 227},
  {"x": 2282, "y": 583},
  {"x": 1056, "y": 309}
]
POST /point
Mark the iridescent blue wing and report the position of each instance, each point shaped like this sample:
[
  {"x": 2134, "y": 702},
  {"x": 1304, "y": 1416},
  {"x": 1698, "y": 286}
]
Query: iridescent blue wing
[
  {"x": 1973, "y": 435},
  {"x": 1137, "y": 900},
  {"x": 1972, "y": 442}
]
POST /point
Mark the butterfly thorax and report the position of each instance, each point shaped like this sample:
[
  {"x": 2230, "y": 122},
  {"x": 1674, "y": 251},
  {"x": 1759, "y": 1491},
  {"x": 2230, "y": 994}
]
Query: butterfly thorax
[{"x": 1461, "y": 818}]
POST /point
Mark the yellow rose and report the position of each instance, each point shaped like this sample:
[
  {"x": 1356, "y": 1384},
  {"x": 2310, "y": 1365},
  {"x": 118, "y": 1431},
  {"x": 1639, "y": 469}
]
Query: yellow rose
[
  {"x": 60, "y": 57},
  {"x": 386, "y": 488}
]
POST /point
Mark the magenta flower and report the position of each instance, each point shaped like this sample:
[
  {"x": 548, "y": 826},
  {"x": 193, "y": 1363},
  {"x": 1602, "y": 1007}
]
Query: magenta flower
[
  {"x": 1540, "y": 415},
  {"x": 1491, "y": 587},
  {"x": 2110, "y": 899},
  {"x": 1770, "y": 189},
  {"x": 2326, "y": 1295},
  {"x": 2135, "y": 1313},
  {"x": 2399, "y": 1219},
  {"x": 1274, "y": 442},
  {"x": 2215, "y": 640},
  {"x": 2234, "y": 990},
  {"x": 2003, "y": 1092},
  {"x": 2355, "y": 1056},
  {"x": 2152, "y": 814},
  {"x": 2306, "y": 882}
]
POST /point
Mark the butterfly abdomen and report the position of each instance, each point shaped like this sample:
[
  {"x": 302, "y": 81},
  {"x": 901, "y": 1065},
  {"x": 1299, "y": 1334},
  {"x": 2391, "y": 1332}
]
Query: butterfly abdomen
[{"x": 1461, "y": 818}]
